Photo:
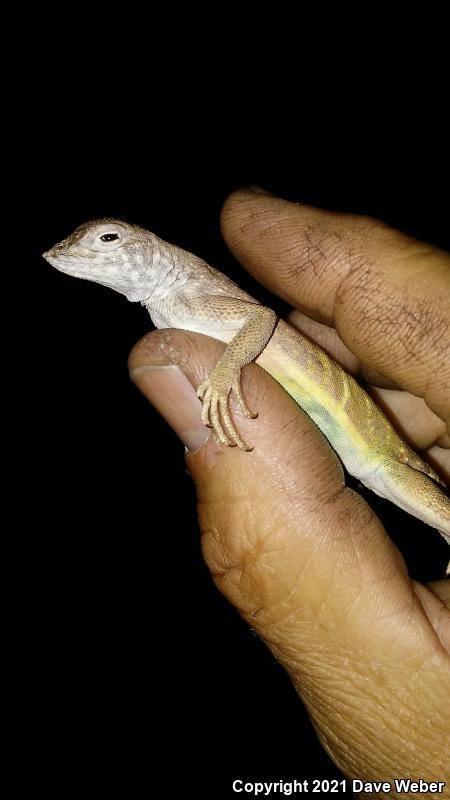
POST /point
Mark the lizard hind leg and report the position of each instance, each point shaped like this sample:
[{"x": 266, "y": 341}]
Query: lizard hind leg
[
  {"x": 413, "y": 460},
  {"x": 412, "y": 490}
]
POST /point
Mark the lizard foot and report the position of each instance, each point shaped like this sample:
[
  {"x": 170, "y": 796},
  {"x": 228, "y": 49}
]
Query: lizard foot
[{"x": 214, "y": 393}]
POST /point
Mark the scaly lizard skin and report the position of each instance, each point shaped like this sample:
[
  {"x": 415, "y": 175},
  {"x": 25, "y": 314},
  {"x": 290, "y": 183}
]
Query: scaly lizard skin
[{"x": 182, "y": 291}]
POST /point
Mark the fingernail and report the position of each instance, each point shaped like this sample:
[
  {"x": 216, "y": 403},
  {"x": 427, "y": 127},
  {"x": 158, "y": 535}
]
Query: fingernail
[
  {"x": 170, "y": 392},
  {"x": 258, "y": 190}
]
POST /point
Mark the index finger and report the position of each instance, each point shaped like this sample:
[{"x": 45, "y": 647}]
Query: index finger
[{"x": 386, "y": 294}]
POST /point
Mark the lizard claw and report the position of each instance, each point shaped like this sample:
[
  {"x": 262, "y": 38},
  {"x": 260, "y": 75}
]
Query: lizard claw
[{"x": 214, "y": 394}]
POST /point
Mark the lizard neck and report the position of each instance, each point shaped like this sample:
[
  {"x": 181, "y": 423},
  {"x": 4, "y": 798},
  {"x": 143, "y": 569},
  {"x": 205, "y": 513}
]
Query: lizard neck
[{"x": 168, "y": 274}]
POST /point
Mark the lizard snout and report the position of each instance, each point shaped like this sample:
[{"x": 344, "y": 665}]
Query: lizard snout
[{"x": 54, "y": 252}]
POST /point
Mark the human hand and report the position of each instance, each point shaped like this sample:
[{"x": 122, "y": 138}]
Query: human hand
[{"x": 305, "y": 561}]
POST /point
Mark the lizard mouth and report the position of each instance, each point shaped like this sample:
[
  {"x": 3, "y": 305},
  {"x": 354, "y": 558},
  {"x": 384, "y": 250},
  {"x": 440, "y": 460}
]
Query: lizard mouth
[
  {"x": 61, "y": 262},
  {"x": 58, "y": 257},
  {"x": 53, "y": 256}
]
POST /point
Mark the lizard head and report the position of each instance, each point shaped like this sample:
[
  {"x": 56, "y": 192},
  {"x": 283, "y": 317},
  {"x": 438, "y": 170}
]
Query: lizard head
[{"x": 109, "y": 252}]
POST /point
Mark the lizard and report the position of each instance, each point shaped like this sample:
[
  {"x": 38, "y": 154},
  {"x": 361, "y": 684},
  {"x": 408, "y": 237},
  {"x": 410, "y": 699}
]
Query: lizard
[{"x": 180, "y": 290}]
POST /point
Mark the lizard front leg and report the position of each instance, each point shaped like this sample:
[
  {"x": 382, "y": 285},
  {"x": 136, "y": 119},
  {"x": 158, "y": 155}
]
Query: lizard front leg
[{"x": 245, "y": 346}]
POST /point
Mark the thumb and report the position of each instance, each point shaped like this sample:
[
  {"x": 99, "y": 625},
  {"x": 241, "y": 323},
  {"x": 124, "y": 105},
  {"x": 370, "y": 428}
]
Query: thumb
[{"x": 310, "y": 567}]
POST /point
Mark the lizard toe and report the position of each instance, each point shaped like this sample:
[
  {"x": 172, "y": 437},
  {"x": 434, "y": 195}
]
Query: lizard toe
[
  {"x": 236, "y": 386},
  {"x": 217, "y": 422}
]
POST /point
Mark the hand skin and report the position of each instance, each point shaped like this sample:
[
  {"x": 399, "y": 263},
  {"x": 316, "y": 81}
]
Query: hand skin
[{"x": 302, "y": 557}]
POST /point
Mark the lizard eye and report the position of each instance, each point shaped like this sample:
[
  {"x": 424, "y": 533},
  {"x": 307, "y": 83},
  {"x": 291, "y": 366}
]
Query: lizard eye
[{"x": 110, "y": 237}]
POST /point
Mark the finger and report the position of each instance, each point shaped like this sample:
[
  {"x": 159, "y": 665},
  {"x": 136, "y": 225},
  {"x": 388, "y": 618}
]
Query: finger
[
  {"x": 442, "y": 590},
  {"x": 440, "y": 460},
  {"x": 387, "y": 295},
  {"x": 311, "y": 569}
]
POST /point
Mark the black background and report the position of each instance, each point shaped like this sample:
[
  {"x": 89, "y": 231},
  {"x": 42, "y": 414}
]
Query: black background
[{"x": 133, "y": 663}]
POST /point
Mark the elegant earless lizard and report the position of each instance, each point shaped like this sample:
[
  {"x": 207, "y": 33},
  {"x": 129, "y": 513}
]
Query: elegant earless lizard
[{"x": 182, "y": 291}]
